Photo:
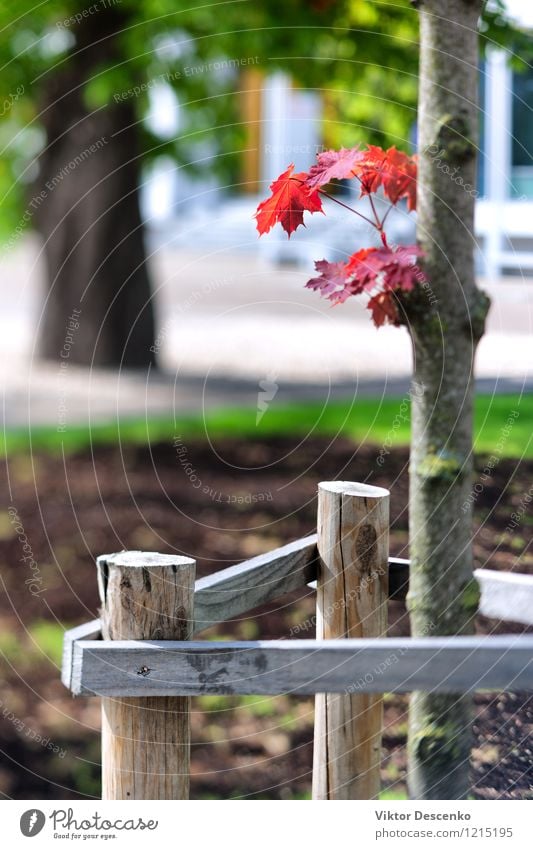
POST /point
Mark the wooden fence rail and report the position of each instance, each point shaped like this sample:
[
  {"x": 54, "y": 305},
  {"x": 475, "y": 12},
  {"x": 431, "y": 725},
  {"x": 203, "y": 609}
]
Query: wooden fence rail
[
  {"x": 507, "y": 596},
  {"x": 401, "y": 665},
  {"x": 347, "y": 564}
]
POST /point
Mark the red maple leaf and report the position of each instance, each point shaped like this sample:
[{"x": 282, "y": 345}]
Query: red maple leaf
[
  {"x": 367, "y": 269},
  {"x": 384, "y": 309},
  {"x": 371, "y": 169},
  {"x": 401, "y": 271},
  {"x": 332, "y": 276},
  {"x": 290, "y": 198},
  {"x": 364, "y": 266},
  {"x": 392, "y": 169},
  {"x": 399, "y": 177},
  {"x": 392, "y": 269},
  {"x": 334, "y": 165}
]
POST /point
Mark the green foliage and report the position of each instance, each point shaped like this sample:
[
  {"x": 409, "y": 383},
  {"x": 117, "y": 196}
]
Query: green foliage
[
  {"x": 497, "y": 31},
  {"x": 362, "y": 55}
]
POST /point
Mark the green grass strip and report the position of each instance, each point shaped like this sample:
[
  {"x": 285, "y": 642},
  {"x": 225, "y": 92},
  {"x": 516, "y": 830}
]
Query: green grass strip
[{"x": 367, "y": 420}]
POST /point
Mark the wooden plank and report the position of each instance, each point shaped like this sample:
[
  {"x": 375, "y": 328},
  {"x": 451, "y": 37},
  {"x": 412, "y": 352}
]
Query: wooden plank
[
  {"x": 443, "y": 664},
  {"x": 87, "y": 631},
  {"x": 230, "y": 593},
  {"x": 352, "y": 595},
  {"x": 506, "y": 595},
  {"x": 146, "y": 740}
]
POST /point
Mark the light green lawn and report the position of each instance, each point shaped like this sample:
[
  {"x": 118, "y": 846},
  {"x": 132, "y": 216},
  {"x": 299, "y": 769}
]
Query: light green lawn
[{"x": 367, "y": 420}]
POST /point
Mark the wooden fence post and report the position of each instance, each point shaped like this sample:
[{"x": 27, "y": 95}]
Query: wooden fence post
[
  {"x": 352, "y": 592},
  {"x": 146, "y": 741}
]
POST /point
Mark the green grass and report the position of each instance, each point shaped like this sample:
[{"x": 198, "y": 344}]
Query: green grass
[
  {"x": 367, "y": 420},
  {"x": 10, "y": 647},
  {"x": 46, "y": 638},
  {"x": 41, "y": 640},
  {"x": 393, "y": 796}
]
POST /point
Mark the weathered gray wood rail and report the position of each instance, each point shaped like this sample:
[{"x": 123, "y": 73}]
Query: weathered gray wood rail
[
  {"x": 167, "y": 668},
  {"x": 229, "y": 593},
  {"x": 232, "y": 592}
]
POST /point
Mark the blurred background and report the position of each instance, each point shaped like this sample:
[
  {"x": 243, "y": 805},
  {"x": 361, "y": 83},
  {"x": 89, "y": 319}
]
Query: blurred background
[{"x": 138, "y": 306}]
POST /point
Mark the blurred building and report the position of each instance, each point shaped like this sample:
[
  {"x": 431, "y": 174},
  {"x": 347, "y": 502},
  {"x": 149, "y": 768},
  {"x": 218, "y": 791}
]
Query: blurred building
[{"x": 504, "y": 213}]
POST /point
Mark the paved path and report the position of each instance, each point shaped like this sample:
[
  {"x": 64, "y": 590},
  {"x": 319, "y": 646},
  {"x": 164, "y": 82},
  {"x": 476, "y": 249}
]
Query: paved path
[{"x": 226, "y": 323}]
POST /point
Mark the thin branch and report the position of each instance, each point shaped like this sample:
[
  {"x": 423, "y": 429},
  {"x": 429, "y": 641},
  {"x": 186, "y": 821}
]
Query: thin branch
[
  {"x": 386, "y": 214},
  {"x": 379, "y": 224},
  {"x": 349, "y": 208}
]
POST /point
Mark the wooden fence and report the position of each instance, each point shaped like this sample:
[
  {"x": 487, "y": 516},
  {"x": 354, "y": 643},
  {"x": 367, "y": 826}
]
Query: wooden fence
[{"x": 142, "y": 657}]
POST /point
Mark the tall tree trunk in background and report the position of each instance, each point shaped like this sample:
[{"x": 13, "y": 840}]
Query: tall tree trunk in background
[
  {"x": 443, "y": 595},
  {"x": 89, "y": 213}
]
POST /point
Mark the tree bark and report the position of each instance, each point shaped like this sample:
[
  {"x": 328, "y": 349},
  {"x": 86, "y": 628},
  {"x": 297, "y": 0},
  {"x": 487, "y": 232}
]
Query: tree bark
[
  {"x": 446, "y": 320},
  {"x": 87, "y": 211}
]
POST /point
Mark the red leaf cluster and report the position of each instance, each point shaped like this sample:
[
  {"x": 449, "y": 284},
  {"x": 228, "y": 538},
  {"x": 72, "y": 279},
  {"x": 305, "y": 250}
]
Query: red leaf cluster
[
  {"x": 389, "y": 271},
  {"x": 382, "y": 272},
  {"x": 393, "y": 171}
]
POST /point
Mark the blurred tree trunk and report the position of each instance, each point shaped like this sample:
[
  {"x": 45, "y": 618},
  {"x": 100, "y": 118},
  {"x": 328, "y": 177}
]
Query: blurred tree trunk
[
  {"x": 443, "y": 596},
  {"x": 89, "y": 213}
]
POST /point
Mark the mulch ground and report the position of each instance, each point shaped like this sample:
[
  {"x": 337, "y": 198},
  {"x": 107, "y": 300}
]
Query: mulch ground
[{"x": 242, "y": 498}]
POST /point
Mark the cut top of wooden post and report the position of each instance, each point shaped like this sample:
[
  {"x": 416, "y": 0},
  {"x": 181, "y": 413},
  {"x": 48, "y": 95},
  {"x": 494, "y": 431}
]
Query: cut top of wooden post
[
  {"x": 146, "y": 595},
  {"x": 353, "y": 527},
  {"x": 363, "y": 490}
]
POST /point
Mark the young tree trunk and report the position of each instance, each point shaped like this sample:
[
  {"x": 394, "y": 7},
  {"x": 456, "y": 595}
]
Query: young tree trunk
[
  {"x": 87, "y": 210},
  {"x": 446, "y": 321}
]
